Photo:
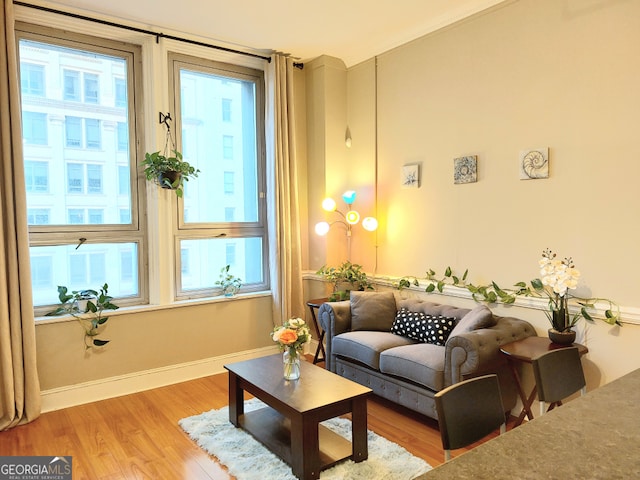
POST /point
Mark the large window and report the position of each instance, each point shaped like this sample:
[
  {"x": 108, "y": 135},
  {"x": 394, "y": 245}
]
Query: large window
[
  {"x": 226, "y": 205},
  {"x": 83, "y": 192}
]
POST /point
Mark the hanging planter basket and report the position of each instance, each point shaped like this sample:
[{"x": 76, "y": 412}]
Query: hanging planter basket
[
  {"x": 168, "y": 169},
  {"x": 170, "y": 180}
]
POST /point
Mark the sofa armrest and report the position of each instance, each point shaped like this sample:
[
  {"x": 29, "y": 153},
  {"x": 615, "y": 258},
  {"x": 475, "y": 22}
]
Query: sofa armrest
[
  {"x": 473, "y": 353},
  {"x": 334, "y": 318}
]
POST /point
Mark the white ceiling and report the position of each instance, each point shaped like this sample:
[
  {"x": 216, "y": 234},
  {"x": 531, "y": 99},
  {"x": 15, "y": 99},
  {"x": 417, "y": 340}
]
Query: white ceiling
[{"x": 353, "y": 30}]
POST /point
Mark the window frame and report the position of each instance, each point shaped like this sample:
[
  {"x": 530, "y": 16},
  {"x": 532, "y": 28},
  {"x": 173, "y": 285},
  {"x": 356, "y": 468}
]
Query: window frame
[
  {"x": 136, "y": 231},
  {"x": 228, "y": 230}
]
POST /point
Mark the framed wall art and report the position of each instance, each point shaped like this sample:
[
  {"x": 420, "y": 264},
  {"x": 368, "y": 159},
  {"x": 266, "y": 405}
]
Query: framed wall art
[
  {"x": 411, "y": 176},
  {"x": 534, "y": 164},
  {"x": 465, "y": 169}
]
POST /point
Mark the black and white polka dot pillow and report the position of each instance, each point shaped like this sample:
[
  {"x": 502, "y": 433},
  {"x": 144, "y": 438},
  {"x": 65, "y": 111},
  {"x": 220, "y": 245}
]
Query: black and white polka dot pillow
[{"x": 424, "y": 328}]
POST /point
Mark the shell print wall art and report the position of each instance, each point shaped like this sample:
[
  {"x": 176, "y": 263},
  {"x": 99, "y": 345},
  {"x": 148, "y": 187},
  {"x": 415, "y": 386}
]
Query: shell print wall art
[{"x": 534, "y": 164}]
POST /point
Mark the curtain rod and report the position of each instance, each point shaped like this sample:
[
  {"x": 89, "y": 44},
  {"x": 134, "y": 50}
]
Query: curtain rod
[{"x": 139, "y": 30}]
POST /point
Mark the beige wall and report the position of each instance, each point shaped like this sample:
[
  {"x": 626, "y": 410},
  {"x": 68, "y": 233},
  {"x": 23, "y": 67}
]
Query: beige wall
[
  {"x": 150, "y": 340},
  {"x": 532, "y": 73}
]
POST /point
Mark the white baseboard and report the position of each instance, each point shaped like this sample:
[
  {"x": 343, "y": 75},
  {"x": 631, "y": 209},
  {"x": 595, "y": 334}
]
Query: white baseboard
[{"x": 88, "y": 392}]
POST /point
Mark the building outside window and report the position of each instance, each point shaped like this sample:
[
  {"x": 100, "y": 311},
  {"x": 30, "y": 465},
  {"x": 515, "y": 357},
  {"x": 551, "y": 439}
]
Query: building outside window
[{"x": 79, "y": 203}]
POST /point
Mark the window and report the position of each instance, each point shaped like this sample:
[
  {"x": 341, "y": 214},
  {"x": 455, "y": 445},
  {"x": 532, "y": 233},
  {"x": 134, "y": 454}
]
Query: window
[
  {"x": 226, "y": 109},
  {"x": 121, "y": 92},
  {"x": 123, "y": 180},
  {"x": 127, "y": 266},
  {"x": 227, "y": 147},
  {"x": 75, "y": 178},
  {"x": 73, "y": 131},
  {"x": 230, "y": 253},
  {"x": 34, "y": 128},
  {"x": 36, "y": 176},
  {"x": 78, "y": 269},
  {"x": 71, "y": 88},
  {"x": 76, "y": 216},
  {"x": 91, "y": 184},
  {"x": 42, "y": 271},
  {"x": 123, "y": 137},
  {"x": 92, "y": 129},
  {"x": 125, "y": 215},
  {"x": 228, "y": 221},
  {"x": 38, "y": 216},
  {"x": 94, "y": 179},
  {"x": 32, "y": 79},
  {"x": 91, "y": 88},
  {"x": 97, "y": 269},
  {"x": 184, "y": 261},
  {"x": 96, "y": 215},
  {"x": 228, "y": 178}
]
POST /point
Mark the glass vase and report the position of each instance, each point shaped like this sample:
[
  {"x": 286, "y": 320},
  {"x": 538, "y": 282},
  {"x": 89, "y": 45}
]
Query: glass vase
[{"x": 291, "y": 364}]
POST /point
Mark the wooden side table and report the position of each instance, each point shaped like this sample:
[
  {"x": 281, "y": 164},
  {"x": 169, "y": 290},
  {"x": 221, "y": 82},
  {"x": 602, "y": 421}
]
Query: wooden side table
[
  {"x": 524, "y": 351},
  {"x": 313, "y": 306}
]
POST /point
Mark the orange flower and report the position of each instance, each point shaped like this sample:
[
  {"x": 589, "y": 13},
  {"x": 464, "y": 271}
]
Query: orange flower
[{"x": 288, "y": 336}]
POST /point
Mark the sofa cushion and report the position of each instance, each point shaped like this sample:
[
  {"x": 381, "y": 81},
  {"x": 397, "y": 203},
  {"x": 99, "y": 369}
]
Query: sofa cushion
[
  {"x": 423, "y": 328},
  {"x": 365, "y": 347},
  {"x": 479, "y": 317},
  {"x": 414, "y": 304},
  {"x": 373, "y": 310},
  {"x": 421, "y": 363}
]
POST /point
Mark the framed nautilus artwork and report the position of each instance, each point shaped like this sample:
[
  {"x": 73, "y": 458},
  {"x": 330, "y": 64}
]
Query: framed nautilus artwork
[
  {"x": 465, "y": 169},
  {"x": 534, "y": 164}
]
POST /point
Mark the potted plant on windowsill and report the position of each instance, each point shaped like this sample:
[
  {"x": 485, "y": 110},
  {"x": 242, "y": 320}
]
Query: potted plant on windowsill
[
  {"x": 87, "y": 306},
  {"x": 229, "y": 283},
  {"x": 346, "y": 277},
  {"x": 168, "y": 171}
]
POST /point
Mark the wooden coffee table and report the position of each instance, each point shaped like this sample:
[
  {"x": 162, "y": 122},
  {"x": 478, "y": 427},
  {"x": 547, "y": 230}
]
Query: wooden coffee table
[{"x": 289, "y": 426}]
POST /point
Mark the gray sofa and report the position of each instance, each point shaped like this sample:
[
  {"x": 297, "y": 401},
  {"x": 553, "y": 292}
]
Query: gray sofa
[{"x": 409, "y": 366}]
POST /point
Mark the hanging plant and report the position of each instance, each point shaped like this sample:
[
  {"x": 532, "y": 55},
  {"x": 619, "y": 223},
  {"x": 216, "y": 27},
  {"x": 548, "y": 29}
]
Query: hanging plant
[
  {"x": 86, "y": 306},
  {"x": 168, "y": 171}
]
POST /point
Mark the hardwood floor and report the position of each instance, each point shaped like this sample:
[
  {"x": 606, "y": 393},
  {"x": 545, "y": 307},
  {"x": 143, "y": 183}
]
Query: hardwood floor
[{"x": 137, "y": 436}]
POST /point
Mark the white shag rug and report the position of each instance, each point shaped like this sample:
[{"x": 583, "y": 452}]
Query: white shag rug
[{"x": 248, "y": 459}]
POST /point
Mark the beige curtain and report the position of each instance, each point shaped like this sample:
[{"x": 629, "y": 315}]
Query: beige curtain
[
  {"x": 19, "y": 386},
  {"x": 286, "y": 263}
]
